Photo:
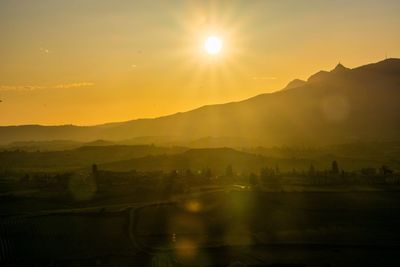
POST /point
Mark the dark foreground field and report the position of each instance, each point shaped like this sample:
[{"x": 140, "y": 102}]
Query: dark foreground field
[{"x": 222, "y": 228}]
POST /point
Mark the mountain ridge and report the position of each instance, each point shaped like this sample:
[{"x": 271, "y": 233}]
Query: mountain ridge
[{"x": 334, "y": 103}]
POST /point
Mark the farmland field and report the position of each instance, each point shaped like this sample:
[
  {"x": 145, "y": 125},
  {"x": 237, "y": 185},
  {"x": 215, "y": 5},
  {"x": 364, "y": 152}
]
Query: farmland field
[{"x": 266, "y": 228}]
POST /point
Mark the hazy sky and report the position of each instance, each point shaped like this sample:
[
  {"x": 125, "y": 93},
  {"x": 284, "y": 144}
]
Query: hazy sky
[{"x": 94, "y": 61}]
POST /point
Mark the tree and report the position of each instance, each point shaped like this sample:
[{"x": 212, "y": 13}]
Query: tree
[
  {"x": 229, "y": 171},
  {"x": 170, "y": 180},
  {"x": 385, "y": 170},
  {"x": 253, "y": 180},
  {"x": 173, "y": 175},
  {"x": 335, "y": 167},
  {"x": 277, "y": 170},
  {"x": 208, "y": 173},
  {"x": 264, "y": 173},
  {"x": 94, "y": 170},
  {"x": 311, "y": 171},
  {"x": 95, "y": 174}
]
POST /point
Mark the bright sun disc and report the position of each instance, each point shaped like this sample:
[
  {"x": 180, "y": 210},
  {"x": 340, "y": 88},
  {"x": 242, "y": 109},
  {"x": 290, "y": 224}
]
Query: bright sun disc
[{"x": 213, "y": 45}]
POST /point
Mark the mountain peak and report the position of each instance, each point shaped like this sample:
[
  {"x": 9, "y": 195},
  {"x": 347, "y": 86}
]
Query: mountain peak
[{"x": 339, "y": 68}]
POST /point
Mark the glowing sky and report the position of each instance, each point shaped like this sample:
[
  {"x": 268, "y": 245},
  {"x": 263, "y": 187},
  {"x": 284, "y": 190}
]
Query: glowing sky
[{"x": 95, "y": 61}]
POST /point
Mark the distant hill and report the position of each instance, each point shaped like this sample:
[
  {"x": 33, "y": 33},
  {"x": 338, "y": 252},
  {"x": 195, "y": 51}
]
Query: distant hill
[
  {"x": 217, "y": 159},
  {"x": 52, "y": 145},
  {"x": 340, "y": 106},
  {"x": 152, "y": 158},
  {"x": 82, "y": 157}
]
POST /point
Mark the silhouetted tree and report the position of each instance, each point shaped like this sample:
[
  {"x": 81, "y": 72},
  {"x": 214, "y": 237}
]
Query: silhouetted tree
[
  {"x": 385, "y": 170},
  {"x": 95, "y": 170},
  {"x": 368, "y": 171},
  {"x": 208, "y": 173},
  {"x": 264, "y": 173},
  {"x": 335, "y": 167},
  {"x": 170, "y": 182},
  {"x": 311, "y": 171},
  {"x": 95, "y": 174},
  {"x": 173, "y": 175},
  {"x": 229, "y": 171},
  {"x": 277, "y": 170},
  {"x": 253, "y": 180}
]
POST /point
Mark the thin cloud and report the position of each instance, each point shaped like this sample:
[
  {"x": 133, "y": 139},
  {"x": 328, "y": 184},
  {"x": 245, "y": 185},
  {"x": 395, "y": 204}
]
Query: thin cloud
[
  {"x": 20, "y": 87},
  {"x": 74, "y": 85},
  {"x": 40, "y": 87}
]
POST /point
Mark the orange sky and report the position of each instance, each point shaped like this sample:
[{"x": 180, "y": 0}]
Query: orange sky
[{"x": 95, "y": 61}]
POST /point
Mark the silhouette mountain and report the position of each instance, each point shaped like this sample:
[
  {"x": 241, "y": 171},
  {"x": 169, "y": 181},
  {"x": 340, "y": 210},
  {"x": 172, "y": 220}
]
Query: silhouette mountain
[
  {"x": 294, "y": 84},
  {"x": 339, "y": 68},
  {"x": 343, "y": 105}
]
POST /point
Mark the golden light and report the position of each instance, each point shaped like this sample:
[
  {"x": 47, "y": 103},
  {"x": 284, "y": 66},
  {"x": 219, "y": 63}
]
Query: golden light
[
  {"x": 213, "y": 45},
  {"x": 193, "y": 206}
]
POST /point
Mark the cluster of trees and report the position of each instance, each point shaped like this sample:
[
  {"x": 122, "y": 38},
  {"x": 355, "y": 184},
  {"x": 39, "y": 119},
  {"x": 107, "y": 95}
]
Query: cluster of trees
[
  {"x": 183, "y": 180},
  {"x": 334, "y": 175},
  {"x": 36, "y": 178}
]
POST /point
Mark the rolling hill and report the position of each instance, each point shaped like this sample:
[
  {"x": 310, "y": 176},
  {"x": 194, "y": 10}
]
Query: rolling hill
[{"x": 82, "y": 157}]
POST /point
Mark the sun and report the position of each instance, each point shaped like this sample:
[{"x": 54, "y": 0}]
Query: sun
[{"x": 213, "y": 45}]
